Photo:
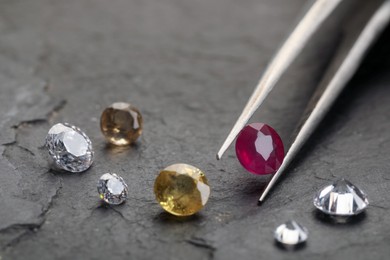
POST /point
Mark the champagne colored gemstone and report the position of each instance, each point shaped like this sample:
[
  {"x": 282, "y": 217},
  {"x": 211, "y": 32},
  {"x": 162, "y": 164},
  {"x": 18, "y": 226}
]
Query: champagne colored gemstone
[
  {"x": 181, "y": 189},
  {"x": 121, "y": 123}
]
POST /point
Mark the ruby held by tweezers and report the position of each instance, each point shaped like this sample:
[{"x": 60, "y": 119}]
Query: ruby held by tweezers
[{"x": 259, "y": 149}]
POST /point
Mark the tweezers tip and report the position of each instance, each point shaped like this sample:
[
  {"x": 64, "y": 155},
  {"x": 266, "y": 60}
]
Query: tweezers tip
[
  {"x": 261, "y": 199},
  {"x": 220, "y": 153}
]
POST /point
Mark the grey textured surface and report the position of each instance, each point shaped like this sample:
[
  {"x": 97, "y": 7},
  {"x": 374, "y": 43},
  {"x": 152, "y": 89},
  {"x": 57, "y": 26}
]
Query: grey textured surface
[{"x": 189, "y": 66}]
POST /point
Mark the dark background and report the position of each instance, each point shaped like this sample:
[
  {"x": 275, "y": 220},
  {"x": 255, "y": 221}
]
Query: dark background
[{"x": 189, "y": 66}]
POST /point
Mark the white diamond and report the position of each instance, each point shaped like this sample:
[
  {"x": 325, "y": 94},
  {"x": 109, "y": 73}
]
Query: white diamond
[
  {"x": 291, "y": 233},
  {"x": 341, "y": 198},
  {"x": 70, "y": 148},
  {"x": 112, "y": 188}
]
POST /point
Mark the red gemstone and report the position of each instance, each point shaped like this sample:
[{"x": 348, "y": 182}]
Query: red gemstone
[{"x": 259, "y": 149}]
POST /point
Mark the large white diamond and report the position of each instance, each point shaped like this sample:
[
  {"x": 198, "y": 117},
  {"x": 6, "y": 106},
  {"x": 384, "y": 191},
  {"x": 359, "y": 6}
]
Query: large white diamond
[
  {"x": 70, "y": 148},
  {"x": 341, "y": 198},
  {"x": 291, "y": 233},
  {"x": 112, "y": 188}
]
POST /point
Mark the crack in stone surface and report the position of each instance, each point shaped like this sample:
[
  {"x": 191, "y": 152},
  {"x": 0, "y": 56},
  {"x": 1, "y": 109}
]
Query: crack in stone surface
[
  {"x": 25, "y": 201},
  {"x": 201, "y": 243},
  {"x": 26, "y": 229}
]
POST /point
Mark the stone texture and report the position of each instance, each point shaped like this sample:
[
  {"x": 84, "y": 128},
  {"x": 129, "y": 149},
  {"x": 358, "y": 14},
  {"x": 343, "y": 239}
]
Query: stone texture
[{"x": 190, "y": 67}]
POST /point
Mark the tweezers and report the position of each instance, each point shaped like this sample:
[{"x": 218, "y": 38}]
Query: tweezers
[{"x": 334, "y": 80}]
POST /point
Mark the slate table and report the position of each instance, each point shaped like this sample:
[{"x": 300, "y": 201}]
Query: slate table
[{"x": 189, "y": 66}]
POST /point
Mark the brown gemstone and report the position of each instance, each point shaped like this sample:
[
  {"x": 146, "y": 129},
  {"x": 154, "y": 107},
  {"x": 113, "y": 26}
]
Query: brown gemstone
[{"x": 121, "y": 123}]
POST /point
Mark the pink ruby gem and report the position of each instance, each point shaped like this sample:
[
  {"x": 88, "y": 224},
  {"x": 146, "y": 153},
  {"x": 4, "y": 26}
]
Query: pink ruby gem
[{"x": 259, "y": 149}]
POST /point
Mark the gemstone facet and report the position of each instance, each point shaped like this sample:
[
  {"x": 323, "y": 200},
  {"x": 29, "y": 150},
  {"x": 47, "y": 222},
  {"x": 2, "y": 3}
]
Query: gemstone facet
[
  {"x": 112, "y": 189},
  {"x": 341, "y": 198},
  {"x": 69, "y": 147},
  {"x": 259, "y": 149},
  {"x": 181, "y": 189},
  {"x": 291, "y": 234},
  {"x": 121, "y": 123}
]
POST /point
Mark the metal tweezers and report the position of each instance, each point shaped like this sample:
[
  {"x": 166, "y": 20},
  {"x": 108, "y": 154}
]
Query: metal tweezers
[{"x": 368, "y": 20}]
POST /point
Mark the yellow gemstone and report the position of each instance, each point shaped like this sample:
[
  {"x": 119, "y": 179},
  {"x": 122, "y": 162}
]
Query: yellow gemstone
[
  {"x": 121, "y": 123},
  {"x": 181, "y": 189}
]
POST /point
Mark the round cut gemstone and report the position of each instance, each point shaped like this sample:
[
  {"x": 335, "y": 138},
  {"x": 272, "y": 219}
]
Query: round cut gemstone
[
  {"x": 121, "y": 123},
  {"x": 259, "y": 149},
  {"x": 341, "y": 198},
  {"x": 70, "y": 148},
  {"x": 291, "y": 234},
  {"x": 112, "y": 189},
  {"x": 181, "y": 189}
]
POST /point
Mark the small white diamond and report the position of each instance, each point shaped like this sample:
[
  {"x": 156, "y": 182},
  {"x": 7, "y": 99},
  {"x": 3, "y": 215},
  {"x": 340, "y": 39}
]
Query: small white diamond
[
  {"x": 291, "y": 233},
  {"x": 112, "y": 188},
  {"x": 70, "y": 148},
  {"x": 341, "y": 198}
]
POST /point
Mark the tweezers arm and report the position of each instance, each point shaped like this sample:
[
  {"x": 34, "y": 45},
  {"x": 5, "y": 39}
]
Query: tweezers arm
[
  {"x": 348, "y": 67},
  {"x": 307, "y": 26}
]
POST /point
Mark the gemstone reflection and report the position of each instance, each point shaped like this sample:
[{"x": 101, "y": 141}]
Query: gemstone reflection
[
  {"x": 112, "y": 188},
  {"x": 69, "y": 147},
  {"x": 181, "y": 189},
  {"x": 341, "y": 198},
  {"x": 259, "y": 149},
  {"x": 291, "y": 233},
  {"x": 121, "y": 123}
]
